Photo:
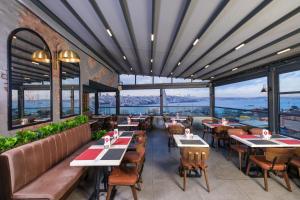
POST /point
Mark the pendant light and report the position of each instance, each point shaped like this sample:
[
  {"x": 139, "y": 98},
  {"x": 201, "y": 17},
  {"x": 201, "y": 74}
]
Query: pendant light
[
  {"x": 40, "y": 56},
  {"x": 264, "y": 89},
  {"x": 68, "y": 56}
]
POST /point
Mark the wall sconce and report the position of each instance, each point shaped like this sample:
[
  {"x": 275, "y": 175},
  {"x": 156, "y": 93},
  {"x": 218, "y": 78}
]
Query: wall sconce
[{"x": 265, "y": 89}]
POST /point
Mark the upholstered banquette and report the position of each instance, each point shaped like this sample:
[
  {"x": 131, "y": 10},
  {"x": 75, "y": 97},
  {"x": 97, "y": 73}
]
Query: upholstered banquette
[{"x": 41, "y": 169}]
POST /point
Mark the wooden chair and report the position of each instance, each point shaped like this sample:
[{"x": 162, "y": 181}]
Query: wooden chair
[
  {"x": 220, "y": 134},
  {"x": 295, "y": 161},
  {"x": 123, "y": 176},
  {"x": 174, "y": 129},
  {"x": 255, "y": 131},
  {"x": 274, "y": 160},
  {"x": 207, "y": 130},
  {"x": 236, "y": 146},
  {"x": 194, "y": 158}
]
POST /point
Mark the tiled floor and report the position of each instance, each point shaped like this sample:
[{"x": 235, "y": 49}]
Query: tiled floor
[{"x": 162, "y": 182}]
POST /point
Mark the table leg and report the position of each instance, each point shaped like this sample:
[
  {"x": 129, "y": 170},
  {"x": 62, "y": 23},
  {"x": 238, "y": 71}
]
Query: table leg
[{"x": 96, "y": 192}]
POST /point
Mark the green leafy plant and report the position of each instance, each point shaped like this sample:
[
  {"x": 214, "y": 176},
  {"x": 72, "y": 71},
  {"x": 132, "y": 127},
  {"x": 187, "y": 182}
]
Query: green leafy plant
[
  {"x": 98, "y": 134},
  {"x": 26, "y": 136}
]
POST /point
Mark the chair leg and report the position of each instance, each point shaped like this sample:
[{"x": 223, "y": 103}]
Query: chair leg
[
  {"x": 266, "y": 180},
  {"x": 240, "y": 160},
  {"x": 206, "y": 179},
  {"x": 184, "y": 179},
  {"x": 287, "y": 181},
  {"x": 229, "y": 153},
  {"x": 248, "y": 168},
  {"x": 134, "y": 192},
  {"x": 110, "y": 187}
]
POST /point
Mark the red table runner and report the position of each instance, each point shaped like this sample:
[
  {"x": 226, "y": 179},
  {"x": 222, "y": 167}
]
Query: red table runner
[
  {"x": 89, "y": 154},
  {"x": 291, "y": 141},
  {"x": 247, "y": 136},
  {"x": 121, "y": 141}
]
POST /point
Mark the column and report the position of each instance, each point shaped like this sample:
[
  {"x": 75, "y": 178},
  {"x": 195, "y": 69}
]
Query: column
[
  {"x": 273, "y": 102},
  {"x": 118, "y": 102},
  {"x": 96, "y": 103},
  {"x": 20, "y": 102},
  {"x": 161, "y": 105},
  {"x": 212, "y": 99}
]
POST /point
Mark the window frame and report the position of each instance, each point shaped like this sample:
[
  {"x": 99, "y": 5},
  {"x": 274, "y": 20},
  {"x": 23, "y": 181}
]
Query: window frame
[
  {"x": 9, "y": 78},
  {"x": 60, "y": 94}
]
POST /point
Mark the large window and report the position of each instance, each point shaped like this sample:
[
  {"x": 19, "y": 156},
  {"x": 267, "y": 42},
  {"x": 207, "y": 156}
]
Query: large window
[
  {"x": 70, "y": 89},
  {"x": 187, "y": 101},
  {"x": 107, "y": 103},
  {"x": 30, "y": 99},
  {"x": 290, "y": 103},
  {"x": 140, "y": 102},
  {"x": 144, "y": 79},
  {"x": 127, "y": 79},
  {"x": 92, "y": 103},
  {"x": 158, "y": 79},
  {"x": 243, "y": 102}
]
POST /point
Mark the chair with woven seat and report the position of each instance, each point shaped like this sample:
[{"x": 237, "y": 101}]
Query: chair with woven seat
[
  {"x": 123, "y": 176},
  {"x": 255, "y": 131},
  {"x": 194, "y": 158},
  {"x": 274, "y": 160},
  {"x": 220, "y": 134},
  {"x": 174, "y": 129},
  {"x": 236, "y": 146}
]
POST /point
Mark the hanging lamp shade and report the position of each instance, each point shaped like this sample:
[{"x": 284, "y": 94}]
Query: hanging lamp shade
[
  {"x": 40, "y": 56},
  {"x": 68, "y": 56},
  {"x": 264, "y": 89}
]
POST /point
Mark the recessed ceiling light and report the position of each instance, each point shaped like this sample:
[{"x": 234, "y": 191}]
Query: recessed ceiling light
[
  {"x": 131, "y": 68},
  {"x": 151, "y": 60},
  {"x": 46, "y": 75},
  {"x": 14, "y": 37},
  {"x": 234, "y": 69},
  {"x": 26, "y": 78},
  {"x": 178, "y": 63},
  {"x": 124, "y": 57},
  {"x": 171, "y": 73},
  {"x": 35, "y": 63},
  {"x": 64, "y": 72},
  {"x": 109, "y": 33},
  {"x": 283, "y": 51},
  {"x": 212, "y": 77},
  {"x": 152, "y": 37},
  {"x": 195, "y": 42},
  {"x": 151, "y": 70},
  {"x": 192, "y": 75},
  {"x": 207, "y": 66},
  {"x": 240, "y": 46}
]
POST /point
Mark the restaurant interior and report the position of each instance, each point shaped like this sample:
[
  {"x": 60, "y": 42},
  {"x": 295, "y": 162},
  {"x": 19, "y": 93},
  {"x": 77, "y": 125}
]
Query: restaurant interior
[{"x": 150, "y": 99}]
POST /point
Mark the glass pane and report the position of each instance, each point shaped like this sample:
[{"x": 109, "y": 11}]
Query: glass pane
[
  {"x": 181, "y": 80},
  {"x": 197, "y": 80},
  {"x": 144, "y": 79},
  {"x": 289, "y": 81},
  {"x": 127, "y": 79},
  {"x": 70, "y": 89},
  {"x": 247, "y": 117},
  {"x": 140, "y": 102},
  {"x": 92, "y": 103},
  {"x": 107, "y": 103},
  {"x": 187, "y": 101},
  {"x": 30, "y": 81},
  {"x": 243, "y": 95},
  {"x": 158, "y": 79}
]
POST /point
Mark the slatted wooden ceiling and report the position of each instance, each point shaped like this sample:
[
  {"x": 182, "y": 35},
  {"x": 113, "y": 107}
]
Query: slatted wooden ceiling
[{"x": 191, "y": 38}]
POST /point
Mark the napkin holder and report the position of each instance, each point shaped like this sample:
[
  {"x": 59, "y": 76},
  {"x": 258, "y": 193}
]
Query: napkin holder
[
  {"x": 106, "y": 142},
  {"x": 266, "y": 134},
  {"x": 116, "y": 133}
]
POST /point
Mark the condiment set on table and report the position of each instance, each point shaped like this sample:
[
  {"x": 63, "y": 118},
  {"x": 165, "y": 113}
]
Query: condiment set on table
[{"x": 187, "y": 133}]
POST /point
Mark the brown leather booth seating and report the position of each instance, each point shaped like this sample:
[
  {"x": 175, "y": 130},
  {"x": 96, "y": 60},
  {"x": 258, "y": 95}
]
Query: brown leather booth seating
[{"x": 41, "y": 169}]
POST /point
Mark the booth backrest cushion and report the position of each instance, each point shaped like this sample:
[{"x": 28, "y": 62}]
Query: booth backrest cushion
[{"x": 23, "y": 164}]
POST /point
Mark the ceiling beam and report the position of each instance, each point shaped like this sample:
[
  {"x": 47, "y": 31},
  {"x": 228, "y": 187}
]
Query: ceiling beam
[
  {"x": 256, "y": 35},
  {"x": 125, "y": 12},
  {"x": 105, "y": 23},
  {"x": 260, "y": 59},
  {"x": 106, "y": 63},
  {"x": 231, "y": 31},
  {"x": 178, "y": 27},
  {"x": 209, "y": 22},
  {"x": 81, "y": 21},
  {"x": 297, "y": 31}
]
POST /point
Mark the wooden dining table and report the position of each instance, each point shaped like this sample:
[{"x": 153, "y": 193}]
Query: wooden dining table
[
  {"x": 195, "y": 141},
  {"x": 100, "y": 158}
]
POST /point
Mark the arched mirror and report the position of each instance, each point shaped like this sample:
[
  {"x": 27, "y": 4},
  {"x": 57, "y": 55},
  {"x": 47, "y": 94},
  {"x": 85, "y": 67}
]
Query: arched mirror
[
  {"x": 30, "y": 83},
  {"x": 70, "y": 89}
]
